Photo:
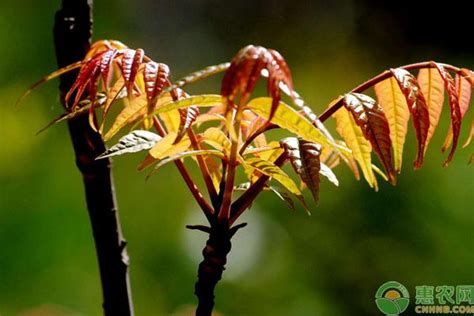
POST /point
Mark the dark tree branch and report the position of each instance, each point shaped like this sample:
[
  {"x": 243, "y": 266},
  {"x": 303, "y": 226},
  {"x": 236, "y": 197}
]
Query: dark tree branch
[
  {"x": 210, "y": 269},
  {"x": 72, "y": 33}
]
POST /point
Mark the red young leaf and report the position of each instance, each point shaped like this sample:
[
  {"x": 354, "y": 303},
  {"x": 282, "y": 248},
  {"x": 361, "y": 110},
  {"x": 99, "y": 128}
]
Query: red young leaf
[
  {"x": 105, "y": 63},
  {"x": 305, "y": 160},
  {"x": 468, "y": 75},
  {"x": 417, "y": 105},
  {"x": 131, "y": 61},
  {"x": 127, "y": 61},
  {"x": 278, "y": 72},
  {"x": 102, "y": 46},
  {"x": 369, "y": 116},
  {"x": 155, "y": 76},
  {"x": 456, "y": 115},
  {"x": 246, "y": 68},
  {"x": 90, "y": 71},
  {"x": 187, "y": 117},
  {"x": 464, "y": 90},
  {"x": 283, "y": 69}
]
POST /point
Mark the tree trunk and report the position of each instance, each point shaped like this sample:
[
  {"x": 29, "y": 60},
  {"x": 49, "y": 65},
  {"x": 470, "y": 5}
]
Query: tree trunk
[
  {"x": 72, "y": 33},
  {"x": 210, "y": 269}
]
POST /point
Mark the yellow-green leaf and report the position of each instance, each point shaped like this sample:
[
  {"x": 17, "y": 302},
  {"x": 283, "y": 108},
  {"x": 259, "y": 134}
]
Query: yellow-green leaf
[
  {"x": 214, "y": 169},
  {"x": 271, "y": 170},
  {"x": 470, "y": 136},
  {"x": 216, "y": 138},
  {"x": 171, "y": 120},
  {"x": 288, "y": 118},
  {"x": 269, "y": 152},
  {"x": 204, "y": 100},
  {"x": 165, "y": 147},
  {"x": 355, "y": 140},
  {"x": 113, "y": 93},
  {"x": 432, "y": 87},
  {"x": 134, "y": 109},
  {"x": 396, "y": 110}
]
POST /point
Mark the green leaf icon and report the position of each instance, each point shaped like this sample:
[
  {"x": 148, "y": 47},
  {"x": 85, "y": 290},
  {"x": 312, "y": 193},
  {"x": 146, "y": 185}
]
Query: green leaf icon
[
  {"x": 387, "y": 306},
  {"x": 402, "y": 303}
]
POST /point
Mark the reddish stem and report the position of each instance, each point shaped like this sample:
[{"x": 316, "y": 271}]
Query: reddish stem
[
  {"x": 204, "y": 170},
  {"x": 206, "y": 208},
  {"x": 258, "y": 132},
  {"x": 246, "y": 199}
]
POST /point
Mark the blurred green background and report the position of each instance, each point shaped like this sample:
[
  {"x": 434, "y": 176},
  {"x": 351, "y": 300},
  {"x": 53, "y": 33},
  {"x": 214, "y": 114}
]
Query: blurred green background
[{"x": 283, "y": 263}]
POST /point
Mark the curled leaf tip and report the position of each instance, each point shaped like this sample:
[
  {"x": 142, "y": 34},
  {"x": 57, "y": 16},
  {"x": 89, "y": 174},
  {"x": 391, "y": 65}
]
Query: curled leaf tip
[{"x": 245, "y": 70}]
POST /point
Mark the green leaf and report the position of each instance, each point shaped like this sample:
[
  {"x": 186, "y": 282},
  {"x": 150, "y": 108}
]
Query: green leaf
[
  {"x": 134, "y": 142},
  {"x": 387, "y": 306}
]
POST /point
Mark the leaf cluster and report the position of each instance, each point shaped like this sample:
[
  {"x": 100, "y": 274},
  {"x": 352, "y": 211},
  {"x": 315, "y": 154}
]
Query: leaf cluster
[{"x": 224, "y": 132}]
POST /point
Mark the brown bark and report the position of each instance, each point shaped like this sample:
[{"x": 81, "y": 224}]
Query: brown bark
[
  {"x": 72, "y": 33},
  {"x": 210, "y": 269}
]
